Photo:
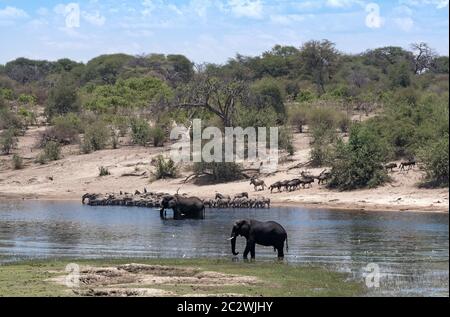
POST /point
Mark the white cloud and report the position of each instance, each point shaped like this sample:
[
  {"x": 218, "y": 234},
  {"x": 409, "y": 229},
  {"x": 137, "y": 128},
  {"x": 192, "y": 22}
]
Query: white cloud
[
  {"x": 287, "y": 19},
  {"x": 343, "y": 3},
  {"x": 12, "y": 13},
  {"x": 94, "y": 18},
  {"x": 439, "y": 4},
  {"x": 406, "y": 23},
  {"x": 246, "y": 8}
]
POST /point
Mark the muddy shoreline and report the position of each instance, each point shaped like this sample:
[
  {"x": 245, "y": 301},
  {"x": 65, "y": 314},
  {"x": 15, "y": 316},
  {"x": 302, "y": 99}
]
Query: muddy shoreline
[{"x": 335, "y": 206}]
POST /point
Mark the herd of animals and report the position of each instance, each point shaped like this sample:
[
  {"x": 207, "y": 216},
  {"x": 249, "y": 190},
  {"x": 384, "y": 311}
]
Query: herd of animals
[{"x": 267, "y": 233}]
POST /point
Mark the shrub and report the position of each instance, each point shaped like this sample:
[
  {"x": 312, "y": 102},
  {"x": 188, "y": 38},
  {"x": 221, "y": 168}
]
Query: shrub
[
  {"x": 435, "y": 159},
  {"x": 103, "y": 171},
  {"x": 65, "y": 130},
  {"x": 326, "y": 118},
  {"x": 114, "y": 139},
  {"x": 219, "y": 171},
  {"x": 8, "y": 141},
  {"x": 96, "y": 137},
  {"x": 140, "y": 131},
  {"x": 62, "y": 99},
  {"x": 165, "y": 168},
  {"x": 285, "y": 140},
  {"x": 158, "y": 136},
  {"x": 358, "y": 163},
  {"x": 17, "y": 162},
  {"x": 321, "y": 147},
  {"x": 298, "y": 117},
  {"x": 52, "y": 151}
]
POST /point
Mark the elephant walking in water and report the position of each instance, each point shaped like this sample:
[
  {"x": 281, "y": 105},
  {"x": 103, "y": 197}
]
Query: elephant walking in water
[
  {"x": 183, "y": 207},
  {"x": 267, "y": 233}
]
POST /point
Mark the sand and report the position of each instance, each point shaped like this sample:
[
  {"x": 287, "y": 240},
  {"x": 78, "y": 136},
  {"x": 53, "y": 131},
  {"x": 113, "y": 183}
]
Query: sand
[{"x": 76, "y": 174}]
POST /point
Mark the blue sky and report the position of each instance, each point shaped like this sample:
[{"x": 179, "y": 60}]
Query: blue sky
[{"x": 213, "y": 30}]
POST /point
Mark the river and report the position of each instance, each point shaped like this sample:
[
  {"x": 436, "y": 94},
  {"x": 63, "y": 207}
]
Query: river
[{"x": 411, "y": 250}]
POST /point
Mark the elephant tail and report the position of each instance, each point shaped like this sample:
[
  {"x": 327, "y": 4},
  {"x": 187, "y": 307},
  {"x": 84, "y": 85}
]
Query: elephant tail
[{"x": 287, "y": 244}]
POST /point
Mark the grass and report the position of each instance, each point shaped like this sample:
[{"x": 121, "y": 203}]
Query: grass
[{"x": 278, "y": 279}]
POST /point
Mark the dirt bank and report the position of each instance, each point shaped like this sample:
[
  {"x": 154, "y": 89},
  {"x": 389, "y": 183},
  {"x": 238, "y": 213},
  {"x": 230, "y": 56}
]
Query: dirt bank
[{"x": 75, "y": 174}]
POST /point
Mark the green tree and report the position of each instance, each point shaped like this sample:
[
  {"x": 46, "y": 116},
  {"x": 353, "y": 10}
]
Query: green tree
[
  {"x": 319, "y": 61},
  {"x": 62, "y": 99},
  {"x": 359, "y": 162}
]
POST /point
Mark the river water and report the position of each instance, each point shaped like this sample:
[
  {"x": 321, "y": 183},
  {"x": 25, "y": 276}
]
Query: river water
[{"x": 410, "y": 250}]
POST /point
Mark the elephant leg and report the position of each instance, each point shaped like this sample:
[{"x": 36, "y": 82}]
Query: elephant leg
[
  {"x": 280, "y": 249},
  {"x": 247, "y": 249},
  {"x": 252, "y": 251}
]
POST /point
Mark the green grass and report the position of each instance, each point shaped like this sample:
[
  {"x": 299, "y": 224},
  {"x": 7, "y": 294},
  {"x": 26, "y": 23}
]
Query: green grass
[{"x": 278, "y": 279}]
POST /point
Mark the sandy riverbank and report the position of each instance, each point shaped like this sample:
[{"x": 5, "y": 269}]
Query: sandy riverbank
[{"x": 75, "y": 174}]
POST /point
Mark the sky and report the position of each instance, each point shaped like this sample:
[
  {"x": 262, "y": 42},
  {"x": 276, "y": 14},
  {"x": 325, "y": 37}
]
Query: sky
[{"x": 213, "y": 30}]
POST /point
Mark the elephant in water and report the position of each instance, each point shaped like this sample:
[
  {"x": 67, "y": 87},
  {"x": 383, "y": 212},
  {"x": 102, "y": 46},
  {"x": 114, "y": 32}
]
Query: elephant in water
[
  {"x": 183, "y": 207},
  {"x": 267, "y": 233}
]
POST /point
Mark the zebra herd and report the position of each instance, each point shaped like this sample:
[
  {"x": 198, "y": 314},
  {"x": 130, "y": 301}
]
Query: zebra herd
[{"x": 241, "y": 200}]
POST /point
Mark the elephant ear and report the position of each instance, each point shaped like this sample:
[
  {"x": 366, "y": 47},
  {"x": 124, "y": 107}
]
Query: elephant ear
[{"x": 172, "y": 203}]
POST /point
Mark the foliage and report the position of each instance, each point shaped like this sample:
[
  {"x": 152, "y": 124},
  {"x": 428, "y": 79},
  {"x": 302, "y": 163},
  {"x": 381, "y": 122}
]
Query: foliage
[
  {"x": 127, "y": 94},
  {"x": 103, "y": 171},
  {"x": 435, "y": 158},
  {"x": 96, "y": 137},
  {"x": 52, "y": 151},
  {"x": 359, "y": 162},
  {"x": 165, "y": 168},
  {"x": 140, "y": 131},
  {"x": 62, "y": 99},
  {"x": 158, "y": 136},
  {"x": 8, "y": 141},
  {"x": 269, "y": 93},
  {"x": 321, "y": 146},
  {"x": 220, "y": 172},
  {"x": 17, "y": 162}
]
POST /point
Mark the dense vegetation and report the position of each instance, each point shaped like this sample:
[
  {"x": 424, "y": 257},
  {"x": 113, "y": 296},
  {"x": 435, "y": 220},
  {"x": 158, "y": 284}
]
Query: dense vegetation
[{"x": 313, "y": 88}]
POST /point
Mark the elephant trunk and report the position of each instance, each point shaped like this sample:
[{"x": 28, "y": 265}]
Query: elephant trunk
[
  {"x": 161, "y": 212},
  {"x": 233, "y": 242}
]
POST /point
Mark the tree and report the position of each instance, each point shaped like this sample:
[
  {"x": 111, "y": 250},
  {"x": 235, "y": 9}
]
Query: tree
[
  {"x": 105, "y": 69},
  {"x": 268, "y": 93},
  {"x": 217, "y": 95},
  {"x": 400, "y": 75},
  {"x": 359, "y": 163},
  {"x": 319, "y": 61},
  {"x": 63, "y": 98},
  {"x": 423, "y": 57},
  {"x": 440, "y": 65}
]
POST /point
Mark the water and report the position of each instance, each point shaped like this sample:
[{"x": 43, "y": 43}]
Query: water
[{"x": 410, "y": 249}]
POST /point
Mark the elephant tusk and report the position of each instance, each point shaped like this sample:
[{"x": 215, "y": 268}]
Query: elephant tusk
[{"x": 231, "y": 238}]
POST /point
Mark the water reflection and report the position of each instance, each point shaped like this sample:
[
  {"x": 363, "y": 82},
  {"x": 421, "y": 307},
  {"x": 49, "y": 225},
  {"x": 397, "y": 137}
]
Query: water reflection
[{"x": 410, "y": 248}]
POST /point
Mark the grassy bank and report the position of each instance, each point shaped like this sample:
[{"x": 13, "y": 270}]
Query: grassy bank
[{"x": 182, "y": 277}]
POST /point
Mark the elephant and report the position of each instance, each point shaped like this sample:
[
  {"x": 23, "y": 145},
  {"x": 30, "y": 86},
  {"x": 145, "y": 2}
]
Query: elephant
[
  {"x": 183, "y": 207},
  {"x": 267, "y": 233}
]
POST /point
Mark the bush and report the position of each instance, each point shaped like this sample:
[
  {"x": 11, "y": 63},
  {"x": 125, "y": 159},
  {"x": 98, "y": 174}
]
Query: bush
[
  {"x": 62, "y": 99},
  {"x": 52, "y": 151},
  {"x": 158, "y": 136},
  {"x": 358, "y": 163},
  {"x": 165, "y": 168},
  {"x": 285, "y": 140},
  {"x": 435, "y": 159},
  {"x": 220, "y": 171},
  {"x": 17, "y": 162},
  {"x": 298, "y": 117},
  {"x": 326, "y": 118},
  {"x": 8, "y": 141},
  {"x": 65, "y": 130},
  {"x": 140, "y": 131},
  {"x": 321, "y": 147},
  {"x": 103, "y": 171},
  {"x": 96, "y": 137}
]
